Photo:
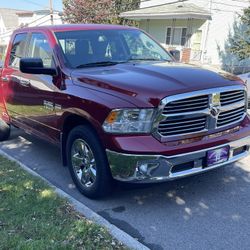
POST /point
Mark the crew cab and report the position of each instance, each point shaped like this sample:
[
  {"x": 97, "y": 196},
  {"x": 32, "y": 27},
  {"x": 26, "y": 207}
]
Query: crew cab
[{"x": 119, "y": 106}]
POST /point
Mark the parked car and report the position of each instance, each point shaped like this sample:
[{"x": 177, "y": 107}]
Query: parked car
[{"x": 119, "y": 106}]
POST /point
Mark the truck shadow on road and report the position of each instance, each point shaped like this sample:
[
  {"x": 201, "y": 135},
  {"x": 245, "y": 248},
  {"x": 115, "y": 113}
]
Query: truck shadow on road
[{"x": 216, "y": 202}]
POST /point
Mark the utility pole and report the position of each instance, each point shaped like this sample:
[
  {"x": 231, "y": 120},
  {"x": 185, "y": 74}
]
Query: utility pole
[{"x": 51, "y": 12}]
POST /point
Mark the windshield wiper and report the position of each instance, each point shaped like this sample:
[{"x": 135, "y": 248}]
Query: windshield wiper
[
  {"x": 149, "y": 59},
  {"x": 97, "y": 64},
  {"x": 110, "y": 63}
]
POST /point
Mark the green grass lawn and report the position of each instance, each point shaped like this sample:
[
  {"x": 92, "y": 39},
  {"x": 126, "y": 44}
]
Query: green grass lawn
[{"x": 33, "y": 216}]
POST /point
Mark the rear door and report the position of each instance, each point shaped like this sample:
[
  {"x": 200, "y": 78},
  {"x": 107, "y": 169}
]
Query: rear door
[{"x": 11, "y": 75}]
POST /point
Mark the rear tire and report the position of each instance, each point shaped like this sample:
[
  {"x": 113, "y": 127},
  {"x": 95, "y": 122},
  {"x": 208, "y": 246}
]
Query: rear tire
[
  {"x": 87, "y": 162},
  {"x": 4, "y": 130}
]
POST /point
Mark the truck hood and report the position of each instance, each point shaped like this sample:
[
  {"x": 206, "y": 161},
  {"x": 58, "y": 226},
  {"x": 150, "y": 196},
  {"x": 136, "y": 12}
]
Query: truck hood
[{"x": 145, "y": 84}]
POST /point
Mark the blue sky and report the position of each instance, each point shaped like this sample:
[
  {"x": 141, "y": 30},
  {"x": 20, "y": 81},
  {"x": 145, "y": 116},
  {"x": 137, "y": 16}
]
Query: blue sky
[{"x": 30, "y": 4}]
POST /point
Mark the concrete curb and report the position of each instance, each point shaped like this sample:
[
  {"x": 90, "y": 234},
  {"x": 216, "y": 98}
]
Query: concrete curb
[{"x": 117, "y": 233}]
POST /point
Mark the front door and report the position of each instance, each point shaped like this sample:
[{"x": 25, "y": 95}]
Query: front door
[
  {"x": 38, "y": 90},
  {"x": 34, "y": 94}
]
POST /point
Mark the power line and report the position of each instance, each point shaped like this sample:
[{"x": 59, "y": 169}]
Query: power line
[
  {"x": 225, "y": 4},
  {"x": 241, "y": 1},
  {"x": 37, "y": 4},
  {"x": 212, "y": 8},
  {"x": 169, "y": 3}
]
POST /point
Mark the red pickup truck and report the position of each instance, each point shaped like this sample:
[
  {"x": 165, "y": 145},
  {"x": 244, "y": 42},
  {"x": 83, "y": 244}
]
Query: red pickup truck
[{"x": 119, "y": 106}]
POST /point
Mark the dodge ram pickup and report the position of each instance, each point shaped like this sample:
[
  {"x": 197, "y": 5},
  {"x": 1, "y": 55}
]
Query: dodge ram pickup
[{"x": 119, "y": 106}]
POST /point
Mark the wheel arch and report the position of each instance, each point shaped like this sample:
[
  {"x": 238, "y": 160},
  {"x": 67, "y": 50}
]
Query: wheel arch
[{"x": 72, "y": 120}]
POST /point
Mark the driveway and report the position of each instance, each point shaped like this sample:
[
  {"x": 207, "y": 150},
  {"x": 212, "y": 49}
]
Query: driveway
[{"x": 209, "y": 211}]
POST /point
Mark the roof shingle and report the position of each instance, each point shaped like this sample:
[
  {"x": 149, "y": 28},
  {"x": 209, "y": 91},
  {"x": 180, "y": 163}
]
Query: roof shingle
[{"x": 166, "y": 11}]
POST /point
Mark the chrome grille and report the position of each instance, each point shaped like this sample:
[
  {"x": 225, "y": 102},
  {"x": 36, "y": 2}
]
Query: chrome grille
[
  {"x": 200, "y": 111},
  {"x": 230, "y": 116},
  {"x": 186, "y": 105},
  {"x": 179, "y": 126},
  {"x": 230, "y": 97}
]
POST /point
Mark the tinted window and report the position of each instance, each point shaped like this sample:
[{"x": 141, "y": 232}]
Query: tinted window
[
  {"x": 18, "y": 50},
  {"x": 92, "y": 46},
  {"x": 39, "y": 48}
]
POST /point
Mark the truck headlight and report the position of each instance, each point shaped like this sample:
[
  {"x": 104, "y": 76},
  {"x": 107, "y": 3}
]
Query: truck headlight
[{"x": 129, "y": 121}]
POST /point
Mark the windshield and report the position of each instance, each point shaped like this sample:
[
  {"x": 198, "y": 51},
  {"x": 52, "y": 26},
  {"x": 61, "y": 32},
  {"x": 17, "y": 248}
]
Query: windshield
[{"x": 89, "y": 48}]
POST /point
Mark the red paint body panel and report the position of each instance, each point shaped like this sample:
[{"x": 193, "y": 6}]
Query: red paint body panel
[
  {"x": 146, "y": 84},
  {"x": 92, "y": 93},
  {"x": 74, "y": 27},
  {"x": 149, "y": 145}
]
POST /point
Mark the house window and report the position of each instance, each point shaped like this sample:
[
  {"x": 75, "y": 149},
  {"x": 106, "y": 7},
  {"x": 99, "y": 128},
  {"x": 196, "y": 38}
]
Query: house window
[
  {"x": 168, "y": 37},
  {"x": 176, "y": 36}
]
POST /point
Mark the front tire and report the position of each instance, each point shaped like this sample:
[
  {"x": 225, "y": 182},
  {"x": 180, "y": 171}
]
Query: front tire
[
  {"x": 87, "y": 162},
  {"x": 4, "y": 130}
]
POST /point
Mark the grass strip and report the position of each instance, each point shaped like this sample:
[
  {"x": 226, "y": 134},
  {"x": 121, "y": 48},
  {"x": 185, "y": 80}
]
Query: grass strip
[{"x": 33, "y": 216}]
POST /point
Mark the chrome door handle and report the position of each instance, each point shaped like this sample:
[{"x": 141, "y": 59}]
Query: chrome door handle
[
  {"x": 5, "y": 79},
  {"x": 25, "y": 83}
]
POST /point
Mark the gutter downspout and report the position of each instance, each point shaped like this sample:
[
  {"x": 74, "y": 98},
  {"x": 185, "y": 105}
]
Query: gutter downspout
[
  {"x": 204, "y": 47},
  {"x": 147, "y": 26},
  {"x": 173, "y": 31}
]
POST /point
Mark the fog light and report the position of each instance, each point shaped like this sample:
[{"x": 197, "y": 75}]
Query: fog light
[
  {"x": 147, "y": 169},
  {"x": 143, "y": 168}
]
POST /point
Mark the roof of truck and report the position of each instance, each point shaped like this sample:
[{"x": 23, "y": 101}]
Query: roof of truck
[{"x": 71, "y": 27}]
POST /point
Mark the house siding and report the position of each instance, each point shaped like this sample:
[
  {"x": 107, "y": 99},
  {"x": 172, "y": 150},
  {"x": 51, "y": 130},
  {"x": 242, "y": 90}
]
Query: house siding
[
  {"x": 157, "y": 28},
  {"x": 11, "y": 19},
  {"x": 214, "y": 32}
]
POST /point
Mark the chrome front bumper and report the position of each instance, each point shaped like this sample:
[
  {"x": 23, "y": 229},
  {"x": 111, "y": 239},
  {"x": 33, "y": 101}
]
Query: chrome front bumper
[{"x": 157, "y": 168}]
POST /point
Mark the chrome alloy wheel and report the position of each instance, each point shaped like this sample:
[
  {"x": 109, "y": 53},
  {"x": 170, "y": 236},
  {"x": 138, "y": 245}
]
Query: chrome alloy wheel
[{"x": 83, "y": 162}]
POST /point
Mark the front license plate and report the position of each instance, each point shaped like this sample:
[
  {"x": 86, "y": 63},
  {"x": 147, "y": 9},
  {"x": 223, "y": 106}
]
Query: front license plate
[{"x": 217, "y": 156}]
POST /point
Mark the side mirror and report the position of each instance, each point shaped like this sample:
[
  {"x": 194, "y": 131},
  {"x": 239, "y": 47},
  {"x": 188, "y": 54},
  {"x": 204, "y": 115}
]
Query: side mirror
[
  {"x": 176, "y": 54},
  {"x": 35, "y": 66}
]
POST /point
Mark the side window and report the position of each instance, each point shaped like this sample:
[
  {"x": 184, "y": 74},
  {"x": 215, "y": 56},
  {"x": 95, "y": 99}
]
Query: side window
[
  {"x": 39, "y": 48},
  {"x": 17, "y": 50}
]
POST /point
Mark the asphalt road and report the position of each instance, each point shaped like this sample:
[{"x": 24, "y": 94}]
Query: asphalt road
[{"x": 208, "y": 211}]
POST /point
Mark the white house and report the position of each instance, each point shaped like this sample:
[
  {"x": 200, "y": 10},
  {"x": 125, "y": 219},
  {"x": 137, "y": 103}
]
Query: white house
[
  {"x": 11, "y": 19},
  {"x": 8, "y": 22},
  {"x": 199, "y": 28},
  {"x": 38, "y": 18}
]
